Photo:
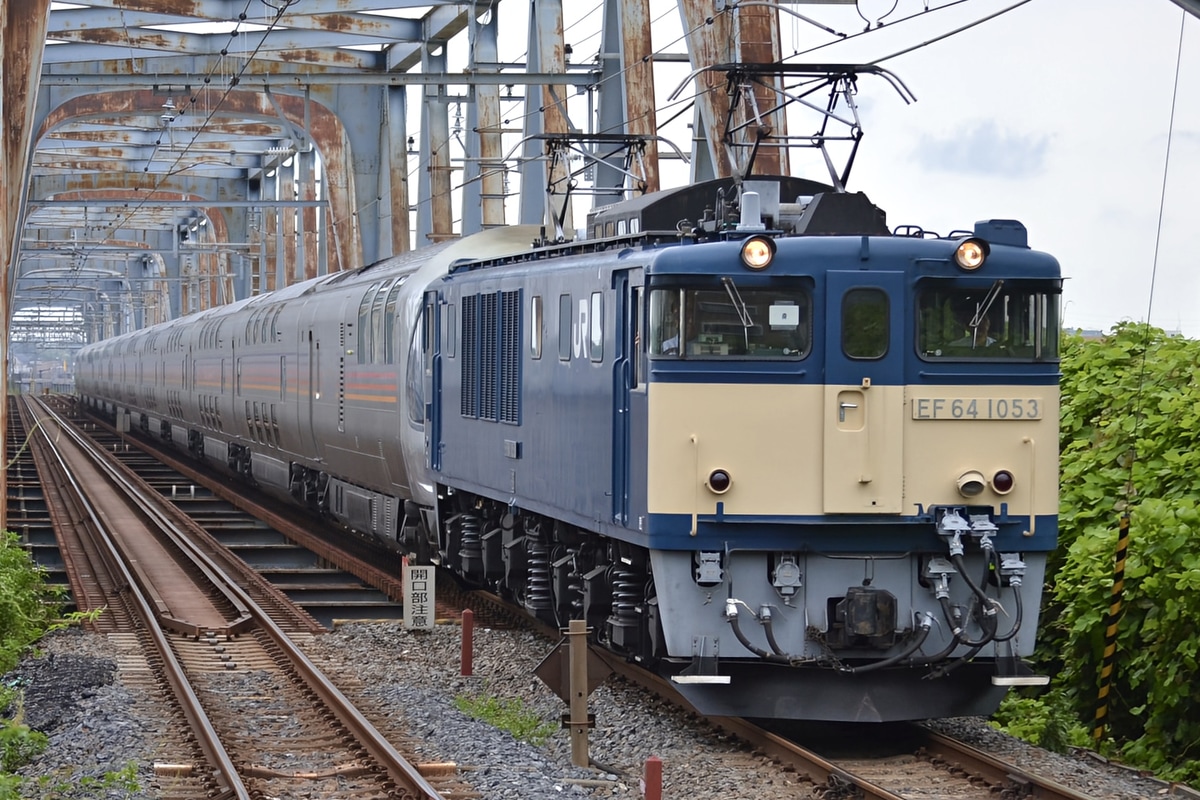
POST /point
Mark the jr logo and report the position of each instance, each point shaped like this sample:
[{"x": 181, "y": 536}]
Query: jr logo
[{"x": 579, "y": 330}]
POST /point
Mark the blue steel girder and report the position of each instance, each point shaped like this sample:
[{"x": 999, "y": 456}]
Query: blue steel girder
[
  {"x": 484, "y": 194},
  {"x": 314, "y": 33},
  {"x": 440, "y": 25},
  {"x": 543, "y": 190},
  {"x": 362, "y": 112},
  {"x": 434, "y": 179}
]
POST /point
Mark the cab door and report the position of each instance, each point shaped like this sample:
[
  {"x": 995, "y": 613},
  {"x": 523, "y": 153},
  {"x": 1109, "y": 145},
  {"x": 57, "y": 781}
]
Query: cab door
[
  {"x": 864, "y": 392},
  {"x": 627, "y": 378}
]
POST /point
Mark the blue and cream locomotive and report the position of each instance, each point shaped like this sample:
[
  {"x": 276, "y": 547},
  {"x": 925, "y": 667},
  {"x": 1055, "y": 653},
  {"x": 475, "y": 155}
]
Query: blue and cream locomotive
[{"x": 803, "y": 466}]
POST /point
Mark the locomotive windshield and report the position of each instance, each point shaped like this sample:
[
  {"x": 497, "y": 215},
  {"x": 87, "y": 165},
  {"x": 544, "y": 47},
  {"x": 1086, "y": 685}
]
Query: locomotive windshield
[
  {"x": 731, "y": 321},
  {"x": 994, "y": 322}
]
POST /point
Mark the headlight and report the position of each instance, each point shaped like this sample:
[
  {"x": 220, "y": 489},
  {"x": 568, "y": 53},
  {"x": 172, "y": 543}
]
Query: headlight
[
  {"x": 971, "y": 483},
  {"x": 757, "y": 252},
  {"x": 971, "y": 253}
]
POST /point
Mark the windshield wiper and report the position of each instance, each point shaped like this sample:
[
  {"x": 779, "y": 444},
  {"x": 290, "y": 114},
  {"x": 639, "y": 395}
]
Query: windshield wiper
[
  {"x": 985, "y": 305},
  {"x": 739, "y": 305}
]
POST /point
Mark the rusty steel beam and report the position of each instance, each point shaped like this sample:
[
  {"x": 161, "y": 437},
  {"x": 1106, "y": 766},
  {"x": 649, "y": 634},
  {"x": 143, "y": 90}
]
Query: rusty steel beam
[
  {"x": 22, "y": 37},
  {"x": 709, "y": 43},
  {"x": 551, "y": 54},
  {"x": 758, "y": 39},
  {"x": 638, "y": 68},
  {"x": 307, "y": 254},
  {"x": 436, "y": 211},
  {"x": 322, "y": 125},
  {"x": 747, "y": 35},
  {"x": 397, "y": 151},
  {"x": 289, "y": 226},
  {"x": 486, "y": 128}
]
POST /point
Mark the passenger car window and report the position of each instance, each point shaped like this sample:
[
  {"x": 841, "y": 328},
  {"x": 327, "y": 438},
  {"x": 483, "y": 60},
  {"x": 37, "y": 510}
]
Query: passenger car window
[{"x": 597, "y": 326}]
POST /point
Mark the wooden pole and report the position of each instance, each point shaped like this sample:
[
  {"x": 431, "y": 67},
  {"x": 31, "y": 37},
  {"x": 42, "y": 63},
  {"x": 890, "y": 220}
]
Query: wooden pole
[
  {"x": 1111, "y": 627},
  {"x": 577, "y": 641}
]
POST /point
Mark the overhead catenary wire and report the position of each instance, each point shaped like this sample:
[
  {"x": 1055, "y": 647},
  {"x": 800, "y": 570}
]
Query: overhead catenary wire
[{"x": 688, "y": 102}]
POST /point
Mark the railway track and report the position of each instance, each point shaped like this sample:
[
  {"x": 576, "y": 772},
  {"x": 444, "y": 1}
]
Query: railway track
[
  {"x": 219, "y": 650},
  {"x": 365, "y": 575},
  {"x": 29, "y": 516}
]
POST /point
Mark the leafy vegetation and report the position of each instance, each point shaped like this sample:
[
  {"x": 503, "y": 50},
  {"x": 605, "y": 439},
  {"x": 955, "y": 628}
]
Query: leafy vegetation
[
  {"x": 27, "y": 610},
  {"x": 1130, "y": 430},
  {"x": 507, "y": 715},
  {"x": 70, "y": 787},
  {"x": 29, "y": 607}
]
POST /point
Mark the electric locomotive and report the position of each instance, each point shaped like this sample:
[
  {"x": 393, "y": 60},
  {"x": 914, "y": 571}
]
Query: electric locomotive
[{"x": 804, "y": 467}]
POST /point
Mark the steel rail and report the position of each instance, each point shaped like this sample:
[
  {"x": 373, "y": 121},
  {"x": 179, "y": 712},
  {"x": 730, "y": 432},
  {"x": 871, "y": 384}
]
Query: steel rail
[
  {"x": 210, "y": 741},
  {"x": 397, "y": 767}
]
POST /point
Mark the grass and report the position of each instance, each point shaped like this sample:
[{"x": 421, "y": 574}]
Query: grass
[{"x": 507, "y": 715}]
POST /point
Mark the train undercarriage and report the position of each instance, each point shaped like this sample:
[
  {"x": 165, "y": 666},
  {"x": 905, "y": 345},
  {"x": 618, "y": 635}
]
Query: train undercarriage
[{"x": 555, "y": 571}]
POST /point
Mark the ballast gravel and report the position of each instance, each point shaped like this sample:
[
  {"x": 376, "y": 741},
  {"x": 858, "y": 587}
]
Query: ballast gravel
[{"x": 74, "y": 693}]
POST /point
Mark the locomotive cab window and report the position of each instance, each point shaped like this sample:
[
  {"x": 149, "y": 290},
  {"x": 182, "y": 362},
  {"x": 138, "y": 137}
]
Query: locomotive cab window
[
  {"x": 996, "y": 321},
  {"x": 731, "y": 320},
  {"x": 865, "y": 323}
]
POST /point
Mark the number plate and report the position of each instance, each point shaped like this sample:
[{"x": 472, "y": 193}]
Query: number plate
[{"x": 977, "y": 408}]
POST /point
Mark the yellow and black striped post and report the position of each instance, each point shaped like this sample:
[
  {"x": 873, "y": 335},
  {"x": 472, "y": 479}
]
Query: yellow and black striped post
[{"x": 1110, "y": 628}]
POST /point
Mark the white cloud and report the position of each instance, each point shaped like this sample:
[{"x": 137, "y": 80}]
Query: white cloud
[{"x": 984, "y": 149}]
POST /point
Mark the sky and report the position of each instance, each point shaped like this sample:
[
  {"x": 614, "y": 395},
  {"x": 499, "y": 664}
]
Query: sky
[{"x": 1057, "y": 113}]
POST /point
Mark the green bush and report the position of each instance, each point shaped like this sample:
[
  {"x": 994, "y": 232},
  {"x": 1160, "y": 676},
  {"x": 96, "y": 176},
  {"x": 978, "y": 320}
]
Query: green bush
[
  {"x": 28, "y": 606},
  {"x": 1130, "y": 429},
  {"x": 19, "y": 744},
  {"x": 1045, "y": 721}
]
